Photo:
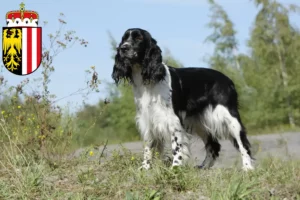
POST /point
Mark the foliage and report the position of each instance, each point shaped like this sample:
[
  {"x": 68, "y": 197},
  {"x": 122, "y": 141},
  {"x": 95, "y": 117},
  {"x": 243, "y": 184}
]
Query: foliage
[
  {"x": 266, "y": 79},
  {"x": 32, "y": 118},
  {"x": 276, "y": 60}
]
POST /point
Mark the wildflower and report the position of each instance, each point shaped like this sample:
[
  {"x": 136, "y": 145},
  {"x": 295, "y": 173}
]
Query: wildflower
[
  {"x": 19, "y": 107},
  {"x": 42, "y": 137},
  {"x": 132, "y": 158},
  {"x": 91, "y": 153},
  {"x": 3, "y": 112}
]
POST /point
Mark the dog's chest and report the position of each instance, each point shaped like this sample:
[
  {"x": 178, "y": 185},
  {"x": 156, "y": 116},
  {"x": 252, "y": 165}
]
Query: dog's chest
[
  {"x": 154, "y": 106},
  {"x": 151, "y": 99}
]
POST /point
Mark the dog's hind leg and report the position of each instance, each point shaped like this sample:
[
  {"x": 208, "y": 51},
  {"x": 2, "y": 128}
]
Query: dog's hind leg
[
  {"x": 241, "y": 143},
  {"x": 213, "y": 148},
  {"x": 223, "y": 122},
  {"x": 238, "y": 136}
]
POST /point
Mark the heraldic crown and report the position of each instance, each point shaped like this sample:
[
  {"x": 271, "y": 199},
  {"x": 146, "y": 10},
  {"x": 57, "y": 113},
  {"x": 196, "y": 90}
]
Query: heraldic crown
[{"x": 22, "y": 17}]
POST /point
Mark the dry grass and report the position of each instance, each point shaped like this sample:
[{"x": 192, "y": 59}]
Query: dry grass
[{"x": 27, "y": 175}]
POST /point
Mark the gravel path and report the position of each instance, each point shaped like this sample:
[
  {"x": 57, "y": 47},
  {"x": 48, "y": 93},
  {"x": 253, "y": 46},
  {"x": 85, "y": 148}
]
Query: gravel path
[{"x": 279, "y": 145}]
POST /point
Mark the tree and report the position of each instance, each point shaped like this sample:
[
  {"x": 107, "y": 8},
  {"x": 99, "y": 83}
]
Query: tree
[
  {"x": 275, "y": 44},
  {"x": 266, "y": 79},
  {"x": 225, "y": 57}
]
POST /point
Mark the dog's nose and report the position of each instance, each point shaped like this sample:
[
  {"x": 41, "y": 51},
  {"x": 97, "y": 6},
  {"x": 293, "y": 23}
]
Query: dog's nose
[{"x": 125, "y": 47}]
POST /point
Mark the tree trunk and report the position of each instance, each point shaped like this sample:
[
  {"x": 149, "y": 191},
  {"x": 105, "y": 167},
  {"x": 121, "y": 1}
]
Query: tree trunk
[{"x": 285, "y": 86}]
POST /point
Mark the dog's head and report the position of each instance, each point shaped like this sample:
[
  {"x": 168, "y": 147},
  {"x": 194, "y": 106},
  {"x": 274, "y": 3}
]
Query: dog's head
[{"x": 138, "y": 48}]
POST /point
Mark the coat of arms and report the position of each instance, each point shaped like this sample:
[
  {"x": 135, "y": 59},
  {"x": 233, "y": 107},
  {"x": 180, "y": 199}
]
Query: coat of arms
[{"x": 22, "y": 41}]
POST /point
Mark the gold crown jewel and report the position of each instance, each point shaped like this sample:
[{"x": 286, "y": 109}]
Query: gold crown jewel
[
  {"x": 22, "y": 14},
  {"x": 22, "y": 9}
]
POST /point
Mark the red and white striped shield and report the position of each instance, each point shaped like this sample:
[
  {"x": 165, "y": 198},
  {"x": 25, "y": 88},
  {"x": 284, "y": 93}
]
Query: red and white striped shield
[{"x": 22, "y": 49}]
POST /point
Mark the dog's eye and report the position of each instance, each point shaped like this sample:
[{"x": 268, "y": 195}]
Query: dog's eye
[{"x": 139, "y": 38}]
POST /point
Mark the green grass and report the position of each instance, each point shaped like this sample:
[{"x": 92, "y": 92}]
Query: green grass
[
  {"x": 27, "y": 175},
  {"x": 35, "y": 164},
  {"x": 36, "y": 137}
]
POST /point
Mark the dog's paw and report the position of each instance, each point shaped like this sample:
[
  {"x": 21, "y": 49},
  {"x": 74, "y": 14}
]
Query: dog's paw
[
  {"x": 248, "y": 168},
  {"x": 145, "y": 165}
]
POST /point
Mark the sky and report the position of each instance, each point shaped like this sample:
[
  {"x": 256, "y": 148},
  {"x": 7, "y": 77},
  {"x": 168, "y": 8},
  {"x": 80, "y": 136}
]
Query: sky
[{"x": 179, "y": 25}]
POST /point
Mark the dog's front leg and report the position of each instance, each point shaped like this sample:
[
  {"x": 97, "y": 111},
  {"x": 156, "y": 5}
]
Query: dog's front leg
[
  {"x": 180, "y": 146},
  {"x": 148, "y": 154}
]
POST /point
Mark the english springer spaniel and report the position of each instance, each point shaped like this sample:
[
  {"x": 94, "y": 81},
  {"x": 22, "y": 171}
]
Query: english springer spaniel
[{"x": 174, "y": 103}]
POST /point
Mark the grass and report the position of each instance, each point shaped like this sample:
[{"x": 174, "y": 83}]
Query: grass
[
  {"x": 27, "y": 175},
  {"x": 35, "y": 164},
  {"x": 36, "y": 138}
]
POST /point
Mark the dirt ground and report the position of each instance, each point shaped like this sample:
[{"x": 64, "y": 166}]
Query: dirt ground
[{"x": 286, "y": 145}]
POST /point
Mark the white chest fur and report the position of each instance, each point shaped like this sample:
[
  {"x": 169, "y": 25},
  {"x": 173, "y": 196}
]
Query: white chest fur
[{"x": 155, "y": 114}]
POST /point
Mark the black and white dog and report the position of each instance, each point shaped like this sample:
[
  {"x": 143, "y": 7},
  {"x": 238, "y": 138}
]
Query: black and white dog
[{"x": 173, "y": 103}]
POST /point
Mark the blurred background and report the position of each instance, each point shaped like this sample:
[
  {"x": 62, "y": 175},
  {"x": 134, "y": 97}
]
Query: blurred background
[{"x": 71, "y": 99}]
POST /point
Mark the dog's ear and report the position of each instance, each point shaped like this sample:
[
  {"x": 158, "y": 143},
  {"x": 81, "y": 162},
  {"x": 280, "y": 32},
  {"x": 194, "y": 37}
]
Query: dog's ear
[
  {"x": 122, "y": 68},
  {"x": 153, "y": 70}
]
